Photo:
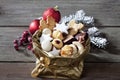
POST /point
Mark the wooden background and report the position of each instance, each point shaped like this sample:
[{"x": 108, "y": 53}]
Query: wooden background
[{"x": 15, "y": 16}]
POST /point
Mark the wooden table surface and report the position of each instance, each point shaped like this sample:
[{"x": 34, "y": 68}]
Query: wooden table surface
[{"x": 15, "y": 16}]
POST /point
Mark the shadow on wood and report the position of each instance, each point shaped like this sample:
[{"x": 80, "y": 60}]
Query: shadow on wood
[
  {"x": 1, "y": 11},
  {"x": 101, "y": 71}
]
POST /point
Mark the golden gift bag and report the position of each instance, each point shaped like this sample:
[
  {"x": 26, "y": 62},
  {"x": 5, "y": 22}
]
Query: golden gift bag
[{"x": 57, "y": 67}]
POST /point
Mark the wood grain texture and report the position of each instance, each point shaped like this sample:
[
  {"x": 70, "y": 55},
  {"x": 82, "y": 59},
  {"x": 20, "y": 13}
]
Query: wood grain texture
[
  {"x": 92, "y": 71},
  {"x": 15, "y": 16},
  {"x": 101, "y": 71},
  {"x": 22, "y": 12},
  {"x": 7, "y": 52},
  {"x": 112, "y": 51}
]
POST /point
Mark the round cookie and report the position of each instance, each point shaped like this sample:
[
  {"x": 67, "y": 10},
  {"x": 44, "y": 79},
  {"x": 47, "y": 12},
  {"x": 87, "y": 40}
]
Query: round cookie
[{"x": 57, "y": 43}]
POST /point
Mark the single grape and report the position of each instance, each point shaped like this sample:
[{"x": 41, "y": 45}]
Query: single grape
[
  {"x": 25, "y": 34},
  {"x": 22, "y": 41},
  {"x": 29, "y": 46},
  {"x": 16, "y": 47},
  {"x": 33, "y": 51},
  {"x": 30, "y": 39},
  {"x": 27, "y": 39},
  {"x": 15, "y": 41}
]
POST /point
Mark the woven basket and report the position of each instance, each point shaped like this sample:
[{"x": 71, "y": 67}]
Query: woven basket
[{"x": 57, "y": 67}]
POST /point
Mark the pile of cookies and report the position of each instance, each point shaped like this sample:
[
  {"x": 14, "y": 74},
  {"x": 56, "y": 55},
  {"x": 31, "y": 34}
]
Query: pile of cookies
[{"x": 61, "y": 39}]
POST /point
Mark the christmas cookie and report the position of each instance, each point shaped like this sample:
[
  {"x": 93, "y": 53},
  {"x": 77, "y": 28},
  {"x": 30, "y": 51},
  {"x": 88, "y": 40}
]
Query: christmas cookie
[
  {"x": 82, "y": 37},
  {"x": 57, "y": 35},
  {"x": 43, "y": 24},
  {"x": 46, "y": 31},
  {"x": 66, "y": 51},
  {"x": 75, "y": 50},
  {"x": 57, "y": 43},
  {"x": 46, "y": 45},
  {"x": 79, "y": 46},
  {"x": 54, "y": 52},
  {"x": 74, "y": 27},
  {"x": 69, "y": 39},
  {"x": 49, "y": 23}
]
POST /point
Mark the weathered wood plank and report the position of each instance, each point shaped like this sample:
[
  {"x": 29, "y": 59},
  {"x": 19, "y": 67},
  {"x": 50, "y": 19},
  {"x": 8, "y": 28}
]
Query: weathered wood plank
[
  {"x": 112, "y": 51},
  {"x": 21, "y": 12},
  {"x": 7, "y": 52},
  {"x": 16, "y": 71},
  {"x": 92, "y": 71},
  {"x": 101, "y": 71}
]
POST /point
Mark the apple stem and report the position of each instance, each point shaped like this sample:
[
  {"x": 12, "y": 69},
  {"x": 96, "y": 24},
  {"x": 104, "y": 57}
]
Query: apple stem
[{"x": 56, "y": 8}]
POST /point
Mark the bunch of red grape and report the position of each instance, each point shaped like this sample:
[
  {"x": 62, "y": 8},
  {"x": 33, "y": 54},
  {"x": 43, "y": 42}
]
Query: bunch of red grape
[{"x": 24, "y": 41}]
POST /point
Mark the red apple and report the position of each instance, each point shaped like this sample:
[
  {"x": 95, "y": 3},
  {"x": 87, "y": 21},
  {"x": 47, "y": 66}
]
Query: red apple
[
  {"x": 52, "y": 12},
  {"x": 34, "y": 25}
]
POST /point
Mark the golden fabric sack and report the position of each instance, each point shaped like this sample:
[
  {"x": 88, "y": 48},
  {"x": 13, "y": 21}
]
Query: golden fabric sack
[{"x": 57, "y": 67}]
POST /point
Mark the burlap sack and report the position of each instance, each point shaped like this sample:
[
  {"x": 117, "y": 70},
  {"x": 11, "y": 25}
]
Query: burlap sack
[{"x": 57, "y": 67}]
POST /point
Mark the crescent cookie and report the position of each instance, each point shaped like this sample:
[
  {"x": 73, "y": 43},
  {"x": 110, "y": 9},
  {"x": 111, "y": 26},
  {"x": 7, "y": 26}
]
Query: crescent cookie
[
  {"x": 75, "y": 50},
  {"x": 79, "y": 46}
]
